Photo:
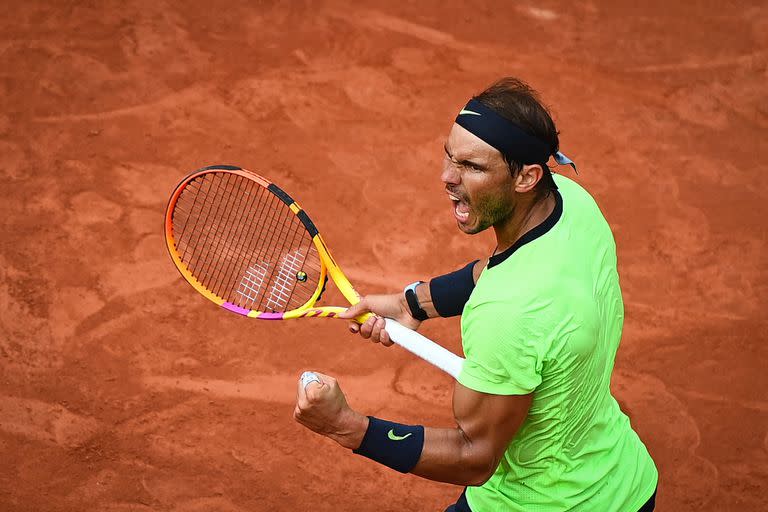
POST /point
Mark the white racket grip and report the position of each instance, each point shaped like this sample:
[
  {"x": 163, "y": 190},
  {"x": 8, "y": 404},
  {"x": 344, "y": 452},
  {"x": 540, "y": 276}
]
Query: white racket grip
[{"x": 424, "y": 348}]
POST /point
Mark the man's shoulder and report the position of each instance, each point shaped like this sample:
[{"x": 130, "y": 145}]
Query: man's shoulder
[
  {"x": 538, "y": 291},
  {"x": 568, "y": 185},
  {"x": 578, "y": 202},
  {"x": 520, "y": 294}
]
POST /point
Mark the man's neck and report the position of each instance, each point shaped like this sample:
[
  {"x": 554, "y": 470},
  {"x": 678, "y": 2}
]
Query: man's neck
[{"x": 528, "y": 214}]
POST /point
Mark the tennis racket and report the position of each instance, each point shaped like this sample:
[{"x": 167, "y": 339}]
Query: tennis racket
[{"x": 247, "y": 246}]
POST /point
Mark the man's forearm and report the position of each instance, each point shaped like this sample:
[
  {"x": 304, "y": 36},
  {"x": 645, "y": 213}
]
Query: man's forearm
[
  {"x": 467, "y": 454},
  {"x": 447, "y": 454}
]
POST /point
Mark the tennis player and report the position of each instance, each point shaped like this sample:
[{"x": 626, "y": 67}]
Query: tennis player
[{"x": 536, "y": 426}]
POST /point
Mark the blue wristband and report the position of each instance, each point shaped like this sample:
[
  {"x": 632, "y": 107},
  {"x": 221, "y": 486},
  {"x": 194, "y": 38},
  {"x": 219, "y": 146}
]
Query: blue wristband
[
  {"x": 392, "y": 444},
  {"x": 451, "y": 291}
]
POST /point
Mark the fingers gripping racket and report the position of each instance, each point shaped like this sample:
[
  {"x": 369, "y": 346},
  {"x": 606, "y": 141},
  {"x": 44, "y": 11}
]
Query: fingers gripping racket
[{"x": 246, "y": 245}]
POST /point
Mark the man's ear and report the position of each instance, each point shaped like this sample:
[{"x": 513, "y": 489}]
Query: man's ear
[{"x": 528, "y": 177}]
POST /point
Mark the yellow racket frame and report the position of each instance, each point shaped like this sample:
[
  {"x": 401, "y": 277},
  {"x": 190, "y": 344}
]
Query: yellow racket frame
[{"x": 328, "y": 266}]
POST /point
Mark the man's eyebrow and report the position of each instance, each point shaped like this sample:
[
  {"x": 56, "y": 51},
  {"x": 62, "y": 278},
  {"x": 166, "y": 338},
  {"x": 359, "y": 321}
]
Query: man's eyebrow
[{"x": 472, "y": 163}]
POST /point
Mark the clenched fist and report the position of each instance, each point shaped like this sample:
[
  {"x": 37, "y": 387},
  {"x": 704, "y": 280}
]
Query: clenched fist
[{"x": 322, "y": 408}]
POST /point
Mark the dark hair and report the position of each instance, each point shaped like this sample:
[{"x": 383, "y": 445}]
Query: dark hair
[{"x": 517, "y": 102}]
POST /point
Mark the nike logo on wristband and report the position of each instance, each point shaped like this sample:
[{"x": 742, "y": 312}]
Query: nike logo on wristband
[{"x": 391, "y": 434}]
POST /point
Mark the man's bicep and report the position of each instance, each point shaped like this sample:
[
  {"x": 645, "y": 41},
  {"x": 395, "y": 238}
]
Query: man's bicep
[
  {"x": 470, "y": 453},
  {"x": 489, "y": 422}
]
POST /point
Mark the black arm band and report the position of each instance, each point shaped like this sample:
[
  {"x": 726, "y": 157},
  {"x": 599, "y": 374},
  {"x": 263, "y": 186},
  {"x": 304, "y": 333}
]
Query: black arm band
[
  {"x": 451, "y": 291},
  {"x": 392, "y": 444}
]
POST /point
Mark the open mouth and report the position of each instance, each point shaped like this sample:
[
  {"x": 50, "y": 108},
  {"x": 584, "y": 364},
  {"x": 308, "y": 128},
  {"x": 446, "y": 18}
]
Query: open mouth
[{"x": 460, "y": 207}]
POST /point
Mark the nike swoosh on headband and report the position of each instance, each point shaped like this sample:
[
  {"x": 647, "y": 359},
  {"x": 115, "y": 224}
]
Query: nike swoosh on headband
[{"x": 468, "y": 112}]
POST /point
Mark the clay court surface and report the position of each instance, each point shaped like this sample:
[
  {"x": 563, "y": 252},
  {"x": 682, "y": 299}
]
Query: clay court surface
[{"x": 121, "y": 389}]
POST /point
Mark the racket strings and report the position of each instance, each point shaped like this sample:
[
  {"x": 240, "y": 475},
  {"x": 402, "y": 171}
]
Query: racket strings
[
  {"x": 247, "y": 225},
  {"x": 218, "y": 231},
  {"x": 257, "y": 272},
  {"x": 244, "y": 244},
  {"x": 240, "y": 228}
]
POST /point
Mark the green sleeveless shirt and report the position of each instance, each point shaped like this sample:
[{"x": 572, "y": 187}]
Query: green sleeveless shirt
[{"x": 545, "y": 318}]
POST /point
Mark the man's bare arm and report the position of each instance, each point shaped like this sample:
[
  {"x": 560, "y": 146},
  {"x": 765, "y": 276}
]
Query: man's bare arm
[
  {"x": 466, "y": 455},
  {"x": 395, "y": 306},
  {"x": 470, "y": 453}
]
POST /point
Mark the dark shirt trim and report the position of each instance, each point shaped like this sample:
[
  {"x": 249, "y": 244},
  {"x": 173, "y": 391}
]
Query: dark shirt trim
[
  {"x": 533, "y": 234},
  {"x": 461, "y": 505}
]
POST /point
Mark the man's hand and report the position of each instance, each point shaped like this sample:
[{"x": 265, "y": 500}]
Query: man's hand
[
  {"x": 391, "y": 306},
  {"x": 322, "y": 408}
]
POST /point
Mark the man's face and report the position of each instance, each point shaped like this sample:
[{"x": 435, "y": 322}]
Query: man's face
[{"x": 478, "y": 182}]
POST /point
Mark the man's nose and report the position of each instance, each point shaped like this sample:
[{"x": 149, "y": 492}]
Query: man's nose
[{"x": 450, "y": 174}]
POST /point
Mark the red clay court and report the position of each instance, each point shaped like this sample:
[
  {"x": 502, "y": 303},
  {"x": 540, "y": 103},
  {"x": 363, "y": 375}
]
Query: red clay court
[{"x": 124, "y": 390}]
